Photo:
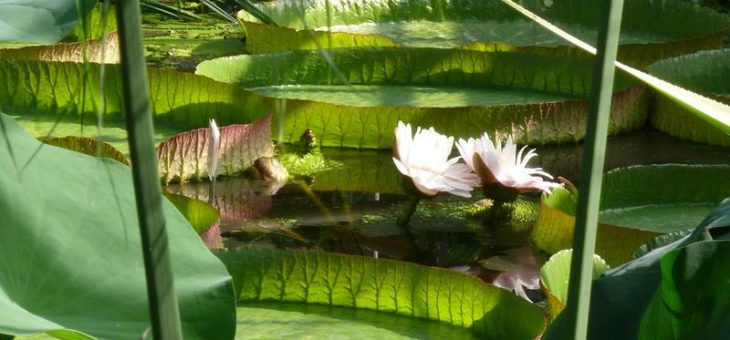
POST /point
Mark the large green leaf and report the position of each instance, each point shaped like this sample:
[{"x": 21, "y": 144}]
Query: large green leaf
[
  {"x": 650, "y": 30},
  {"x": 637, "y": 204},
  {"x": 44, "y": 92},
  {"x": 40, "y": 20},
  {"x": 384, "y": 285},
  {"x": 354, "y": 98},
  {"x": 693, "y": 300},
  {"x": 678, "y": 291},
  {"x": 707, "y": 73},
  {"x": 71, "y": 254}
]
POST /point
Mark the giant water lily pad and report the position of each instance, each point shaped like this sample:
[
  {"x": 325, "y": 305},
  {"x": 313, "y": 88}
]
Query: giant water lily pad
[
  {"x": 707, "y": 73},
  {"x": 651, "y": 30},
  {"x": 59, "y": 99},
  {"x": 184, "y": 156},
  {"x": 71, "y": 256},
  {"x": 354, "y": 98},
  {"x": 382, "y": 285},
  {"x": 637, "y": 204}
]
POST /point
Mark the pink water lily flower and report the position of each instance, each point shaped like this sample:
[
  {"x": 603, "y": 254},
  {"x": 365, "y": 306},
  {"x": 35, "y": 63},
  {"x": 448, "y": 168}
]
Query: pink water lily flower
[
  {"x": 424, "y": 157},
  {"x": 503, "y": 167}
]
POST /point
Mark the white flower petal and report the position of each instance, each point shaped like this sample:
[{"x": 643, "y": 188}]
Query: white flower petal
[
  {"x": 508, "y": 165},
  {"x": 424, "y": 157}
]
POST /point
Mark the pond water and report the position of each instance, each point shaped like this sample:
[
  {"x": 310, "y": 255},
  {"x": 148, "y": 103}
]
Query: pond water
[{"x": 352, "y": 208}]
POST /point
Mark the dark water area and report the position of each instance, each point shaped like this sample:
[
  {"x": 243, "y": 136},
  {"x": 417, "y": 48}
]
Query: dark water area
[
  {"x": 352, "y": 208},
  {"x": 646, "y": 146}
]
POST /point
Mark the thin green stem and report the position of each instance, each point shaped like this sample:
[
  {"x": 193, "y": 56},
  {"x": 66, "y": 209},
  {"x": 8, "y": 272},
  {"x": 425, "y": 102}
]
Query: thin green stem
[
  {"x": 594, "y": 150},
  {"x": 164, "y": 314}
]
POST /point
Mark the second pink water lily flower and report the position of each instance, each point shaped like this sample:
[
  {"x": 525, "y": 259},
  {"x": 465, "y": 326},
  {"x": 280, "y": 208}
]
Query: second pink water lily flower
[
  {"x": 424, "y": 157},
  {"x": 503, "y": 168}
]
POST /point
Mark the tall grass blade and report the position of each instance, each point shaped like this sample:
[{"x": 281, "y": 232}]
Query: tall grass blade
[
  {"x": 164, "y": 313},
  {"x": 716, "y": 113},
  {"x": 591, "y": 177}
]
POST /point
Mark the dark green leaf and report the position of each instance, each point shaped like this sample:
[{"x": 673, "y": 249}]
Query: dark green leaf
[{"x": 626, "y": 296}]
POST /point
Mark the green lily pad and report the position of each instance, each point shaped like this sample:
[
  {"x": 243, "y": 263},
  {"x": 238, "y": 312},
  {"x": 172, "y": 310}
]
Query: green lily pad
[
  {"x": 180, "y": 101},
  {"x": 386, "y": 286},
  {"x": 650, "y": 30},
  {"x": 71, "y": 254},
  {"x": 554, "y": 276},
  {"x": 354, "y": 98},
  {"x": 50, "y": 99},
  {"x": 637, "y": 204},
  {"x": 707, "y": 73},
  {"x": 261, "y": 320}
]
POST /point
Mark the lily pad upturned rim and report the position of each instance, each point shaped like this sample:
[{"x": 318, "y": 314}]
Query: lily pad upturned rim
[
  {"x": 371, "y": 126},
  {"x": 705, "y": 72},
  {"x": 289, "y": 16}
]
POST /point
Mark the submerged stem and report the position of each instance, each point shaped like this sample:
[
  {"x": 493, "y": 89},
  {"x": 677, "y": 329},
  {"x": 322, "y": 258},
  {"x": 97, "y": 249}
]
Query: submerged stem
[{"x": 407, "y": 211}]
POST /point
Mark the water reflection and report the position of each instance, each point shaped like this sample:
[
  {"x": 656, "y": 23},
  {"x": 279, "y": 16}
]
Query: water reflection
[
  {"x": 639, "y": 147},
  {"x": 352, "y": 210}
]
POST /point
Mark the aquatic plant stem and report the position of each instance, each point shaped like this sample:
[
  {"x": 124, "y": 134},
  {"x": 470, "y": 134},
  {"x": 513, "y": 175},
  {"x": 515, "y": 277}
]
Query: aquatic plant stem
[
  {"x": 581, "y": 272},
  {"x": 407, "y": 211},
  {"x": 164, "y": 313}
]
